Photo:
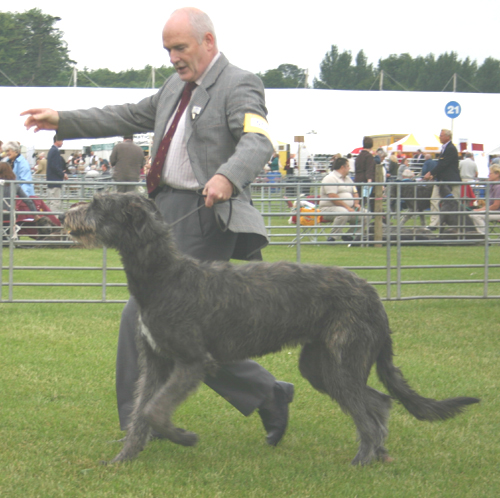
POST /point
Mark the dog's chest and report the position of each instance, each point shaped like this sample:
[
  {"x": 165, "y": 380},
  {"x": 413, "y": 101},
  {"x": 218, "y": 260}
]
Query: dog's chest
[{"x": 143, "y": 329}]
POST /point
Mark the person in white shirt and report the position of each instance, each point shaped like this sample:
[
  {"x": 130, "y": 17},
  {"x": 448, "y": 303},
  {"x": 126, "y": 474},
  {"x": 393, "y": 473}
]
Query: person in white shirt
[
  {"x": 468, "y": 168},
  {"x": 340, "y": 200}
]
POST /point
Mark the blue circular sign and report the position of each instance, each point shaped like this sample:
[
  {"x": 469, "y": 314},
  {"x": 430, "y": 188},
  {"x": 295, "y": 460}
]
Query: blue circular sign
[{"x": 452, "y": 109}]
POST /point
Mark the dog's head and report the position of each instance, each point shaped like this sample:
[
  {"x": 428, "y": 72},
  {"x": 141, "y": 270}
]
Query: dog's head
[{"x": 112, "y": 220}]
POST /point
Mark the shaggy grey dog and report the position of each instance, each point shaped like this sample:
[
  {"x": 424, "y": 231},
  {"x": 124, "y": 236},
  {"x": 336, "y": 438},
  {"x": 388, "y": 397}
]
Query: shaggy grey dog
[{"x": 194, "y": 315}]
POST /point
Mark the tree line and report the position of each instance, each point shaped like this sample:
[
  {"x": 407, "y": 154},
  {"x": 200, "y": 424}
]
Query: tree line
[
  {"x": 339, "y": 71},
  {"x": 33, "y": 53}
]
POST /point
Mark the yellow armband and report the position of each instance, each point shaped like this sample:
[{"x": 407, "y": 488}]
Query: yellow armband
[{"x": 256, "y": 124}]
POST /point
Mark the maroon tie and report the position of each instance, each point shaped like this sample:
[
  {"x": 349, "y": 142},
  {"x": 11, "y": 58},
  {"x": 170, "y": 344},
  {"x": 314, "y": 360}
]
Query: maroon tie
[{"x": 154, "y": 175}]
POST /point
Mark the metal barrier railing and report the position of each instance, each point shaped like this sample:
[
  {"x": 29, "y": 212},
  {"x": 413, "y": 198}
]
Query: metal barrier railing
[{"x": 274, "y": 200}]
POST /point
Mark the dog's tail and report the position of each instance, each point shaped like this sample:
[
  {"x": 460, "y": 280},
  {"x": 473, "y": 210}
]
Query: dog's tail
[{"x": 420, "y": 407}]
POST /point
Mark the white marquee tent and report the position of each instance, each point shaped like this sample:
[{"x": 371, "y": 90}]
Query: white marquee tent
[{"x": 330, "y": 120}]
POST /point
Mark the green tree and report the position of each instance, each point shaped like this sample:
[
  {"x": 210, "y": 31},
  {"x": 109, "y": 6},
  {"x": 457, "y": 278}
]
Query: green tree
[
  {"x": 488, "y": 76},
  {"x": 284, "y": 76},
  {"x": 33, "y": 50},
  {"x": 131, "y": 78},
  {"x": 338, "y": 72},
  {"x": 363, "y": 72},
  {"x": 401, "y": 72}
]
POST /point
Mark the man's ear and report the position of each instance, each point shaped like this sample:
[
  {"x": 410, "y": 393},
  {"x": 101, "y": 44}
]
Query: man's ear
[{"x": 209, "y": 41}]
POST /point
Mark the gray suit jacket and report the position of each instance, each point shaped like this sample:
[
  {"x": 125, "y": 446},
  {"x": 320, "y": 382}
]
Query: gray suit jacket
[{"x": 214, "y": 136}]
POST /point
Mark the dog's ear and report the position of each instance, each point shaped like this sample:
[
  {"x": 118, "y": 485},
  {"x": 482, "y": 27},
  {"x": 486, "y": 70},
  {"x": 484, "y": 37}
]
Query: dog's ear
[{"x": 137, "y": 215}]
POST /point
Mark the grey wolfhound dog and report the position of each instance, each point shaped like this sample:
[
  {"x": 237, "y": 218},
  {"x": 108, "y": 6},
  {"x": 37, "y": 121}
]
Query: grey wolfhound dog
[{"x": 193, "y": 315}]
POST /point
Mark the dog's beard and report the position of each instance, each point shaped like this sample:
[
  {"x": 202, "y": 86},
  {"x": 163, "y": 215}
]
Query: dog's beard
[
  {"x": 86, "y": 239},
  {"x": 81, "y": 231}
]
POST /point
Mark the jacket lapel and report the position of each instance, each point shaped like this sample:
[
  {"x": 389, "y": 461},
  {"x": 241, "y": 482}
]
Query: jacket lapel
[
  {"x": 201, "y": 96},
  {"x": 169, "y": 101}
]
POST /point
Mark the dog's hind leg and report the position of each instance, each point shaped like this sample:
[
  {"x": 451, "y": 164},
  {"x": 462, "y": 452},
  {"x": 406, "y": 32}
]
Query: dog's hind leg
[
  {"x": 185, "y": 378},
  {"x": 332, "y": 373},
  {"x": 380, "y": 407}
]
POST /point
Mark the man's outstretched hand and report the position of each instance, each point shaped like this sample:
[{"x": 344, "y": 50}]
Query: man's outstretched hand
[{"x": 41, "y": 119}]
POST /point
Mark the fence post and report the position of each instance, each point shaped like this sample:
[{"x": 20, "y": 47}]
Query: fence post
[{"x": 379, "y": 178}]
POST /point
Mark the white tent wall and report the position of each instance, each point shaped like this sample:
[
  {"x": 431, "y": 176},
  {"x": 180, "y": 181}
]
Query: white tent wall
[{"x": 338, "y": 118}]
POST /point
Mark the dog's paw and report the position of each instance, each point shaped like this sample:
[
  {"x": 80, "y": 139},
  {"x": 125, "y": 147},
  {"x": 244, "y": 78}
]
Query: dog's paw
[
  {"x": 182, "y": 437},
  {"x": 121, "y": 457}
]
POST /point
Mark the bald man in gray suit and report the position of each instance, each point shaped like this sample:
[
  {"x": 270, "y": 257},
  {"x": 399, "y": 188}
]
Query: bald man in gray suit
[{"x": 220, "y": 145}]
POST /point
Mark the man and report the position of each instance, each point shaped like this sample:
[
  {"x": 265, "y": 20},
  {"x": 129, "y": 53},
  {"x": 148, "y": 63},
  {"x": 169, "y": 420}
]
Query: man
[
  {"x": 127, "y": 158},
  {"x": 55, "y": 173},
  {"x": 364, "y": 166},
  {"x": 446, "y": 170},
  {"x": 429, "y": 165},
  {"x": 41, "y": 165},
  {"x": 218, "y": 144},
  {"x": 468, "y": 168},
  {"x": 342, "y": 199},
  {"x": 418, "y": 159},
  {"x": 380, "y": 158}
]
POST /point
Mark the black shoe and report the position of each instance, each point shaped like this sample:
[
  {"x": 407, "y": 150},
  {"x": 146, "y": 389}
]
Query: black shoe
[
  {"x": 431, "y": 228},
  {"x": 330, "y": 239},
  {"x": 347, "y": 238},
  {"x": 275, "y": 418}
]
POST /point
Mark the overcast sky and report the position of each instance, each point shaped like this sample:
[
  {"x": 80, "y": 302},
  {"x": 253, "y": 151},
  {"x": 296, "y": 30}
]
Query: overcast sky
[{"x": 259, "y": 35}]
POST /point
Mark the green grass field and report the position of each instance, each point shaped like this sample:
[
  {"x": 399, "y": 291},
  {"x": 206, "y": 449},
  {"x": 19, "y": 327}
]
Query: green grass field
[{"x": 58, "y": 415}]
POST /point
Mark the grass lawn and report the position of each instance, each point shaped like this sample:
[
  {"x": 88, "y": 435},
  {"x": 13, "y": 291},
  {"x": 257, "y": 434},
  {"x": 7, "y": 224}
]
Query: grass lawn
[{"x": 58, "y": 416}]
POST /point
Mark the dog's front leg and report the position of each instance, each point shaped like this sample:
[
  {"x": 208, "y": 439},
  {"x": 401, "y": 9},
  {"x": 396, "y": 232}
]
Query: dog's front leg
[
  {"x": 154, "y": 372},
  {"x": 184, "y": 379}
]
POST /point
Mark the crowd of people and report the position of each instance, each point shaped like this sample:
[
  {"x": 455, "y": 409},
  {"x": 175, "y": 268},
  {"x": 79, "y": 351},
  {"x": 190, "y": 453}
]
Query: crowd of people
[
  {"x": 446, "y": 167},
  {"x": 127, "y": 163}
]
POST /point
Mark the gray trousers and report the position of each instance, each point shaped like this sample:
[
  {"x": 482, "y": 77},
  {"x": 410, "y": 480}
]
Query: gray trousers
[{"x": 245, "y": 384}]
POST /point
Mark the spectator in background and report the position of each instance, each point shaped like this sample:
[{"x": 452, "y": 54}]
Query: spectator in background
[
  {"x": 407, "y": 175},
  {"x": 404, "y": 166},
  {"x": 104, "y": 163},
  {"x": 56, "y": 167},
  {"x": 418, "y": 159},
  {"x": 274, "y": 163},
  {"x": 468, "y": 168},
  {"x": 428, "y": 166},
  {"x": 6, "y": 173},
  {"x": 92, "y": 160},
  {"x": 364, "y": 165},
  {"x": 338, "y": 200},
  {"x": 127, "y": 160},
  {"x": 41, "y": 165},
  {"x": 393, "y": 166},
  {"x": 446, "y": 170},
  {"x": 20, "y": 166},
  {"x": 478, "y": 216}
]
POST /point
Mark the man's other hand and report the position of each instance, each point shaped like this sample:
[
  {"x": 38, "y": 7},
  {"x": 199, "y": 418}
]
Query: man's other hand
[{"x": 217, "y": 189}]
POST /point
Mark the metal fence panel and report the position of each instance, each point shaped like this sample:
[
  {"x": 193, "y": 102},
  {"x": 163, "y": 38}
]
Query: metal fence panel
[{"x": 280, "y": 203}]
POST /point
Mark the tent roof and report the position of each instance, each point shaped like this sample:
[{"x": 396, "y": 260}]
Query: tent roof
[{"x": 426, "y": 142}]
